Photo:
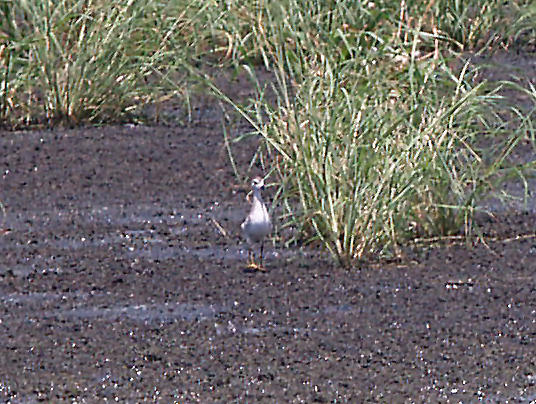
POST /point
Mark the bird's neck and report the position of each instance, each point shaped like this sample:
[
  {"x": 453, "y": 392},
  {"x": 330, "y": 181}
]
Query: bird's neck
[{"x": 257, "y": 195}]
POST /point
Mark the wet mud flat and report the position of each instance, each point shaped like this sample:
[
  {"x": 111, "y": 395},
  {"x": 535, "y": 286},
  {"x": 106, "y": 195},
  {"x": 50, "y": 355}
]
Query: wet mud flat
[{"x": 116, "y": 284}]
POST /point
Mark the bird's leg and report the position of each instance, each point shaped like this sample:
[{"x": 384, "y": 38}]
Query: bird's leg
[
  {"x": 260, "y": 267},
  {"x": 251, "y": 259}
]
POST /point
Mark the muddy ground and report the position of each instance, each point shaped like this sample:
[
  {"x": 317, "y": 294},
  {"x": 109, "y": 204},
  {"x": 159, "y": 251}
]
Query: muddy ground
[{"x": 122, "y": 279}]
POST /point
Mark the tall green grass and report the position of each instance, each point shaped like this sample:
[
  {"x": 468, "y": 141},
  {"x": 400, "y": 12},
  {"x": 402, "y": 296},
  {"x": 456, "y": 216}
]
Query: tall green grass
[
  {"x": 80, "y": 61},
  {"x": 77, "y": 61},
  {"x": 251, "y": 30},
  {"x": 523, "y": 28},
  {"x": 367, "y": 163},
  {"x": 377, "y": 134}
]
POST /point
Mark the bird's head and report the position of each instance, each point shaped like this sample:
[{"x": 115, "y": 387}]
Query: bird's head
[{"x": 257, "y": 184}]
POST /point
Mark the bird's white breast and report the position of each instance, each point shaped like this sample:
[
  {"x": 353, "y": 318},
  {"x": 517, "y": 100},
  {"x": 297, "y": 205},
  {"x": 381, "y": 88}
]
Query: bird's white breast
[{"x": 257, "y": 225}]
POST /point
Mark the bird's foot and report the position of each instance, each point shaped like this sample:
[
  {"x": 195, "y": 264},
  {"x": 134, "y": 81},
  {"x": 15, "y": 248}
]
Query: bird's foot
[{"x": 257, "y": 267}]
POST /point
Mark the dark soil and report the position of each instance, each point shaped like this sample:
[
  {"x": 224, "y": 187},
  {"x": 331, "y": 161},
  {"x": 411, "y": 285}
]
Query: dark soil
[{"x": 122, "y": 279}]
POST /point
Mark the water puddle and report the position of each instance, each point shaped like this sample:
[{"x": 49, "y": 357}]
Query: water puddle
[
  {"x": 124, "y": 216},
  {"x": 340, "y": 309},
  {"x": 18, "y": 270},
  {"x": 147, "y": 313},
  {"x": 152, "y": 312},
  {"x": 38, "y": 298},
  {"x": 511, "y": 198},
  {"x": 125, "y": 222},
  {"x": 163, "y": 252},
  {"x": 231, "y": 328}
]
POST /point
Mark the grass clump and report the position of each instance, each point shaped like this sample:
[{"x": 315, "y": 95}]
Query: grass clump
[
  {"x": 91, "y": 61},
  {"x": 378, "y": 136},
  {"x": 250, "y": 31},
  {"x": 75, "y": 61},
  {"x": 367, "y": 163}
]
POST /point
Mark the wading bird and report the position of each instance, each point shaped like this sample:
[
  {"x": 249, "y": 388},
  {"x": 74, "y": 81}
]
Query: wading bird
[{"x": 258, "y": 224}]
